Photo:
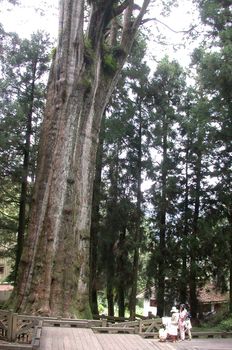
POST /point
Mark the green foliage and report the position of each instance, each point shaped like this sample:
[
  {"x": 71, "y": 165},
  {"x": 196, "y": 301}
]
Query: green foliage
[
  {"x": 88, "y": 52},
  {"x": 226, "y": 325},
  {"x": 109, "y": 63},
  {"x": 87, "y": 84},
  {"x": 53, "y": 52},
  {"x": 23, "y": 65}
]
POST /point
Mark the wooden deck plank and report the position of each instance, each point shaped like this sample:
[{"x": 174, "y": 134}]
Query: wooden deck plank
[
  {"x": 78, "y": 339},
  {"x": 89, "y": 341},
  {"x": 142, "y": 344},
  {"x": 106, "y": 341},
  {"x": 127, "y": 342},
  {"x": 58, "y": 338},
  {"x": 123, "y": 342}
]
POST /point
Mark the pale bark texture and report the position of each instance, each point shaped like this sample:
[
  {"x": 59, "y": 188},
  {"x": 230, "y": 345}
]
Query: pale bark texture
[{"x": 53, "y": 276}]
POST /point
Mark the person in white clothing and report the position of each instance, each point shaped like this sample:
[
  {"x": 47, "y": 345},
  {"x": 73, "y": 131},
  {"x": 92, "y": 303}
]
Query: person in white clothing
[
  {"x": 163, "y": 334},
  {"x": 182, "y": 321},
  {"x": 173, "y": 326},
  {"x": 188, "y": 324}
]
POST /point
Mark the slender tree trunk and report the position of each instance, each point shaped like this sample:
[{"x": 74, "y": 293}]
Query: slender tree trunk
[
  {"x": 25, "y": 170},
  {"x": 94, "y": 231},
  {"x": 184, "y": 274},
  {"x": 121, "y": 300},
  {"x": 193, "y": 248},
  {"x": 230, "y": 262},
  {"x": 53, "y": 278},
  {"x": 121, "y": 262},
  {"x": 110, "y": 281},
  {"x": 162, "y": 226},
  {"x": 138, "y": 229}
]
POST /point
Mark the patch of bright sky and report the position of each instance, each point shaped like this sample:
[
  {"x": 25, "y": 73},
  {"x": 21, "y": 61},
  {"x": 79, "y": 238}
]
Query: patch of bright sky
[
  {"x": 25, "y": 20},
  {"x": 30, "y": 16}
]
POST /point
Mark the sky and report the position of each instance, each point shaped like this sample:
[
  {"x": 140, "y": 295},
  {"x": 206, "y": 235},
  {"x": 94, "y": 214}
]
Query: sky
[{"x": 25, "y": 20}]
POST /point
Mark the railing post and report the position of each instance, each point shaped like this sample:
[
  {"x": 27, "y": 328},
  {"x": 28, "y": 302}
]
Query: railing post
[
  {"x": 104, "y": 323},
  {"x": 14, "y": 327},
  {"x": 9, "y": 325},
  {"x": 140, "y": 326}
]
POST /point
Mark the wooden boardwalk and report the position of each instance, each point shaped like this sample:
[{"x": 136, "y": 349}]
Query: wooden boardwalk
[
  {"x": 56, "y": 338},
  {"x": 68, "y": 338}
]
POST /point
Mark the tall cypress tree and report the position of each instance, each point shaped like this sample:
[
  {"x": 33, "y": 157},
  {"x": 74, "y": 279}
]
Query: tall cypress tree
[{"x": 24, "y": 63}]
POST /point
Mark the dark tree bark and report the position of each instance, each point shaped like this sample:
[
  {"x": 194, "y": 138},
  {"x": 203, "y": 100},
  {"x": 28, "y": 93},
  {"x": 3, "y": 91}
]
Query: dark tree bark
[
  {"x": 121, "y": 263},
  {"x": 25, "y": 171},
  {"x": 94, "y": 231},
  {"x": 230, "y": 263},
  {"x": 195, "y": 230},
  {"x": 138, "y": 229},
  {"x": 162, "y": 222},
  {"x": 184, "y": 271}
]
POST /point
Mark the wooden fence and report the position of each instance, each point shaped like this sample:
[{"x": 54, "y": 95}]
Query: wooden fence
[
  {"x": 25, "y": 331},
  {"x": 20, "y": 329}
]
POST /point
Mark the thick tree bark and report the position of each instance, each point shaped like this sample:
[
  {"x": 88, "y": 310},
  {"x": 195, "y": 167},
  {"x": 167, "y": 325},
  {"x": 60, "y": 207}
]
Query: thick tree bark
[{"x": 54, "y": 270}]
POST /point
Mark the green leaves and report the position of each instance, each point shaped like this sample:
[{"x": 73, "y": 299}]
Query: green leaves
[{"x": 23, "y": 65}]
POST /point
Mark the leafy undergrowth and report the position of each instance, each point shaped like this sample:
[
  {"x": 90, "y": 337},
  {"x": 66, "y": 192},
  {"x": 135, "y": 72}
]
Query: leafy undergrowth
[{"x": 219, "y": 322}]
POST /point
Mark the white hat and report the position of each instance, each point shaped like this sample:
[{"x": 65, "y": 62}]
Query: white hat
[{"x": 174, "y": 309}]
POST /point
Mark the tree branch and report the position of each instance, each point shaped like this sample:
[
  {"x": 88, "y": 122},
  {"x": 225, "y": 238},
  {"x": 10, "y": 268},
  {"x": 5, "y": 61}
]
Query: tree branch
[
  {"x": 142, "y": 12},
  {"x": 164, "y": 24},
  {"x": 121, "y": 8}
]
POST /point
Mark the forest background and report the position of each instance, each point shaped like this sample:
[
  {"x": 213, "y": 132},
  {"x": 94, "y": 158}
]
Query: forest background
[{"x": 162, "y": 210}]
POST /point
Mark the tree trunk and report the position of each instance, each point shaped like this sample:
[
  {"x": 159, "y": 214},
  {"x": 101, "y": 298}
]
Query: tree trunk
[
  {"x": 229, "y": 216},
  {"x": 110, "y": 280},
  {"x": 194, "y": 248},
  {"x": 138, "y": 229},
  {"x": 162, "y": 222},
  {"x": 94, "y": 231},
  {"x": 184, "y": 275},
  {"x": 121, "y": 267},
  {"x": 53, "y": 278},
  {"x": 25, "y": 171}
]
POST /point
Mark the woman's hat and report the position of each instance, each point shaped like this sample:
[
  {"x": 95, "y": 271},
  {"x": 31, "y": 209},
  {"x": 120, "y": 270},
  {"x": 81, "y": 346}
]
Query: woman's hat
[{"x": 174, "y": 309}]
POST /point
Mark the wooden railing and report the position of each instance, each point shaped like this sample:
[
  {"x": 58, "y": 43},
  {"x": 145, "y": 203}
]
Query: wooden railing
[
  {"x": 20, "y": 329},
  {"x": 26, "y": 330},
  {"x": 5, "y": 321}
]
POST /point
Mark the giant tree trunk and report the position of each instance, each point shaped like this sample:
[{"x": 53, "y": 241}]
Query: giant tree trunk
[{"x": 53, "y": 277}]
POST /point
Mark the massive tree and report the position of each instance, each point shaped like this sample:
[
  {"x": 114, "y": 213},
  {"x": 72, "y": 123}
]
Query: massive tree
[{"x": 95, "y": 37}]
